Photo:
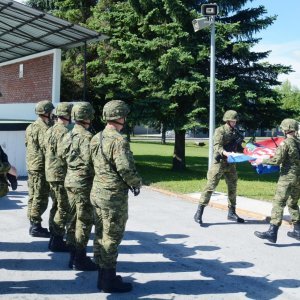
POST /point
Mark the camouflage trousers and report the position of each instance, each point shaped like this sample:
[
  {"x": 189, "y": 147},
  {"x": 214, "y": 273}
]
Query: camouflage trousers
[
  {"x": 3, "y": 186},
  {"x": 287, "y": 193},
  {"x": 59, "y": 212},
  {"x": 214, "y": 176},
  {"x": 110, "y": 225},
  {"x": 81, "y": 217},
  {"x": 38, "y": 196}
]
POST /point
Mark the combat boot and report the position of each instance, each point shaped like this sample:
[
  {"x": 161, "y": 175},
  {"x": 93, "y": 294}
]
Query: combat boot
[
  {"x": 232, "y": 215},
  {"x": 99, "y": 279},
  {"x": 72, "y": 256},
  {"x": 111, "y": 283},
  {"x": 57, "y": 244},
  {"x": 199, "y": 213},
  {"x": 50, "y": 241},
  {"x": 270, "y": 235},
  {"x": 38, "y": 231},
  {"x": 30, "y": 227},
  {"x": 296, "y": 232},
  {"x": 82, "y": 262}
]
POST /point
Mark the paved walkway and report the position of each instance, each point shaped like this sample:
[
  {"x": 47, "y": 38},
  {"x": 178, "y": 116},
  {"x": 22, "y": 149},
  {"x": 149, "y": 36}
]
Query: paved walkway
[
  {"x": 164, "y": 253},
  {"x": 248, "y": 207}
]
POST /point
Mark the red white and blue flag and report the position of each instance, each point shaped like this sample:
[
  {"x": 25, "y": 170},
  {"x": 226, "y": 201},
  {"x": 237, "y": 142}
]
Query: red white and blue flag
[{"x": 262, "y": 149}]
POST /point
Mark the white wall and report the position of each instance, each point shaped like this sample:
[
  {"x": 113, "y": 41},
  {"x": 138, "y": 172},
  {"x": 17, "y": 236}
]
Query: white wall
[{"x": 13, "y": 144}]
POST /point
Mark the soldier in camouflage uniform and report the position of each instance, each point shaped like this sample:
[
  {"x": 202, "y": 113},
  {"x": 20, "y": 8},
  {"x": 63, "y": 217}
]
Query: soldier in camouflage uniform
[
  {"x": 78, "y": 183},
  {"x": 4, "y": 168},
  {"x": 56, "y": 169},
  {"x": 287, "y": 156},
  {"x": 224, "y": 137},
  {"x": 115, "y": 173},
  {"x": 38, "y": 187},
  {"x": 7, "y": 177}
]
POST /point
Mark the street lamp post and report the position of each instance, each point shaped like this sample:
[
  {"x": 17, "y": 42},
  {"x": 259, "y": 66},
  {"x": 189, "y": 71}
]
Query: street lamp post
[{"x": 209, "y": 12}]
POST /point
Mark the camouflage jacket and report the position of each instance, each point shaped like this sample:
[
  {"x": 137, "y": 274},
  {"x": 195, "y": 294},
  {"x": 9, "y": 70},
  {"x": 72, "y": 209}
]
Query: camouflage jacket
[
  {"x": 34, "y": 142},
  {"x": 4, "y": 168},
  {"x": 287, "y": 156},
  {"x": 224, "y": 136},
  {"x": 75, "y": 150},
  {"x": 4, "y": 164},
  {"x": 56, "y": 167},
  {"x": 117, "y": 151}
]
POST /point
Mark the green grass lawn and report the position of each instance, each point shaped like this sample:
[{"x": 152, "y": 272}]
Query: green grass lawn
[{"x": 154, "y": 162}]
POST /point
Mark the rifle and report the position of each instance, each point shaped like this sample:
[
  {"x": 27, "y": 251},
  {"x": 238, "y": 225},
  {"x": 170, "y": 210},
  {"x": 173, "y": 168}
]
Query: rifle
[
  {"x": 11, "y": 178},
  {"x": 234, "y": 146}
]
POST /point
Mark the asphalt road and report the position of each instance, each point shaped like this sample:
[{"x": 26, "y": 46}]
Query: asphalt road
[{"x": 165, "y": 254}]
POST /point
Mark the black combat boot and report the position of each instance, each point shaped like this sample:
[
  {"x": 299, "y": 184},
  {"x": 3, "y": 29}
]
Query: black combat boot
[
  {"x": 111, "y": 283},
  {"x": 72, "y": 256},
  {"x": 296, "y": 232},
  {"x": 199, "y": 213},
  {"x": 50, "y": 241},
  {"x": 82, "y": 262},
  {"x": 38, "y": 231},
  {"x": 57, "y": 244},
  {"x": 99, "y": 279},
  {"x": 232, "y": 215},
  {"x": 270, "y": 235},
  {"x": 30, "y": 227}
]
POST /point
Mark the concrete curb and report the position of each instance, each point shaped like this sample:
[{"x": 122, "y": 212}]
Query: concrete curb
[{"x": 247, "y": 213}]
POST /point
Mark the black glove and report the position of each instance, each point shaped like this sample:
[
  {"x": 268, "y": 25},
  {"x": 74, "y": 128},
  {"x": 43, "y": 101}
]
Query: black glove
[
  {"x": 136, "y": 191},
  {"x": 13, "y": 181}
]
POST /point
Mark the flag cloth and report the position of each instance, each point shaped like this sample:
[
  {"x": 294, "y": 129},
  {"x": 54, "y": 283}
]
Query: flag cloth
[{"x": 262, "y": 149}]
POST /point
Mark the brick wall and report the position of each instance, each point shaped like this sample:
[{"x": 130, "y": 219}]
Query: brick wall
[{"x": 35, "y": 85}]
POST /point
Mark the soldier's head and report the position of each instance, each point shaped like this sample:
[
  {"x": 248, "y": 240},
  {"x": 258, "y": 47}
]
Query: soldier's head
[
  {"x": 230, "y": 117},
  {"x": 63, "y": 111},
  {"x": 115, "y": 112},
  {"x": 44, "y": 110},
  {"x": 289, "y": 126},
  {"x": 83, "y": 113}
]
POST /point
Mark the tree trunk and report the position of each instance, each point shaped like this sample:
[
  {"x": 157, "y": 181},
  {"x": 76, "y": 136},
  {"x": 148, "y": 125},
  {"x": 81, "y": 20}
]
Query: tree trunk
[
  {"x": 179, "y": 151},
  {"x": 163, "y": 134}
]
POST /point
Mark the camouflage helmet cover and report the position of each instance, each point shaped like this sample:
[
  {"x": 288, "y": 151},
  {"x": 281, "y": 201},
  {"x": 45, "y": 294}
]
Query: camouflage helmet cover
[
  {"x": 82, "y": 111},
  {"x": 63, "y": 109},
  {"x": 289, "y": 125},
  {"x": 44, "y": 107},
  {"x": 230, "y": 115},
  {"x": 115, "y": 109}
]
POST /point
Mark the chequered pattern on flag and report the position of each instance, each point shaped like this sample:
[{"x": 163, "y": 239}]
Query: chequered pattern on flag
[{"x": 264, "y": 149}]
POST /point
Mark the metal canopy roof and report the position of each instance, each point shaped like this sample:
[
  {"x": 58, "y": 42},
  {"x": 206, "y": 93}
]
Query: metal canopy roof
[{"x": 25, "y": 31}]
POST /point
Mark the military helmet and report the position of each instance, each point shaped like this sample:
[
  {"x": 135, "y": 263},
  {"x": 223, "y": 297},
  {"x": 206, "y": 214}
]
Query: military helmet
[
  {"x": 230, "y": 115},
  {"x": 44, "y": 107},
  {"x": 63, "y": 109},
  {"x": 115, "y": 109},
  {"x": 289, "y": 125},
  {"x": 82, "y": 111}
]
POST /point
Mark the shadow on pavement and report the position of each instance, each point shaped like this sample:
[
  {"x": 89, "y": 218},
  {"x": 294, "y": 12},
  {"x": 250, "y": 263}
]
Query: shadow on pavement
[
  {"x": 215, "y": 277},
  {"x": 11, "y": 202}
]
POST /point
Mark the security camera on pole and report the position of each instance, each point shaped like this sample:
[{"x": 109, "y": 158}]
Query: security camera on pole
[{"x": 209, "y": 12}]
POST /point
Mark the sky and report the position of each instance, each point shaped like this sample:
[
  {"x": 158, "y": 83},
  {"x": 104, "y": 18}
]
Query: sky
[{"x": 282, "y": 37}]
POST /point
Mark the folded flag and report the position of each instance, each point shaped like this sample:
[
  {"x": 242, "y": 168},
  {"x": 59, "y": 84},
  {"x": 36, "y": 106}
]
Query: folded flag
[
  {"x": 262, "y": 149},
  {"x": 239, "y": 157}
]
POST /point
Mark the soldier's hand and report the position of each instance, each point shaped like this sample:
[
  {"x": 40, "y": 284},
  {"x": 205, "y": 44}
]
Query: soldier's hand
[
  {"x": 225, "y": 153},
  {"x": 13, "y": 171},
  {"x": 136, "y": 191}
]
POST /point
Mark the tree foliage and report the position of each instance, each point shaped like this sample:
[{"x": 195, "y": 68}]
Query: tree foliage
[{"x": 160, "y": 66}]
